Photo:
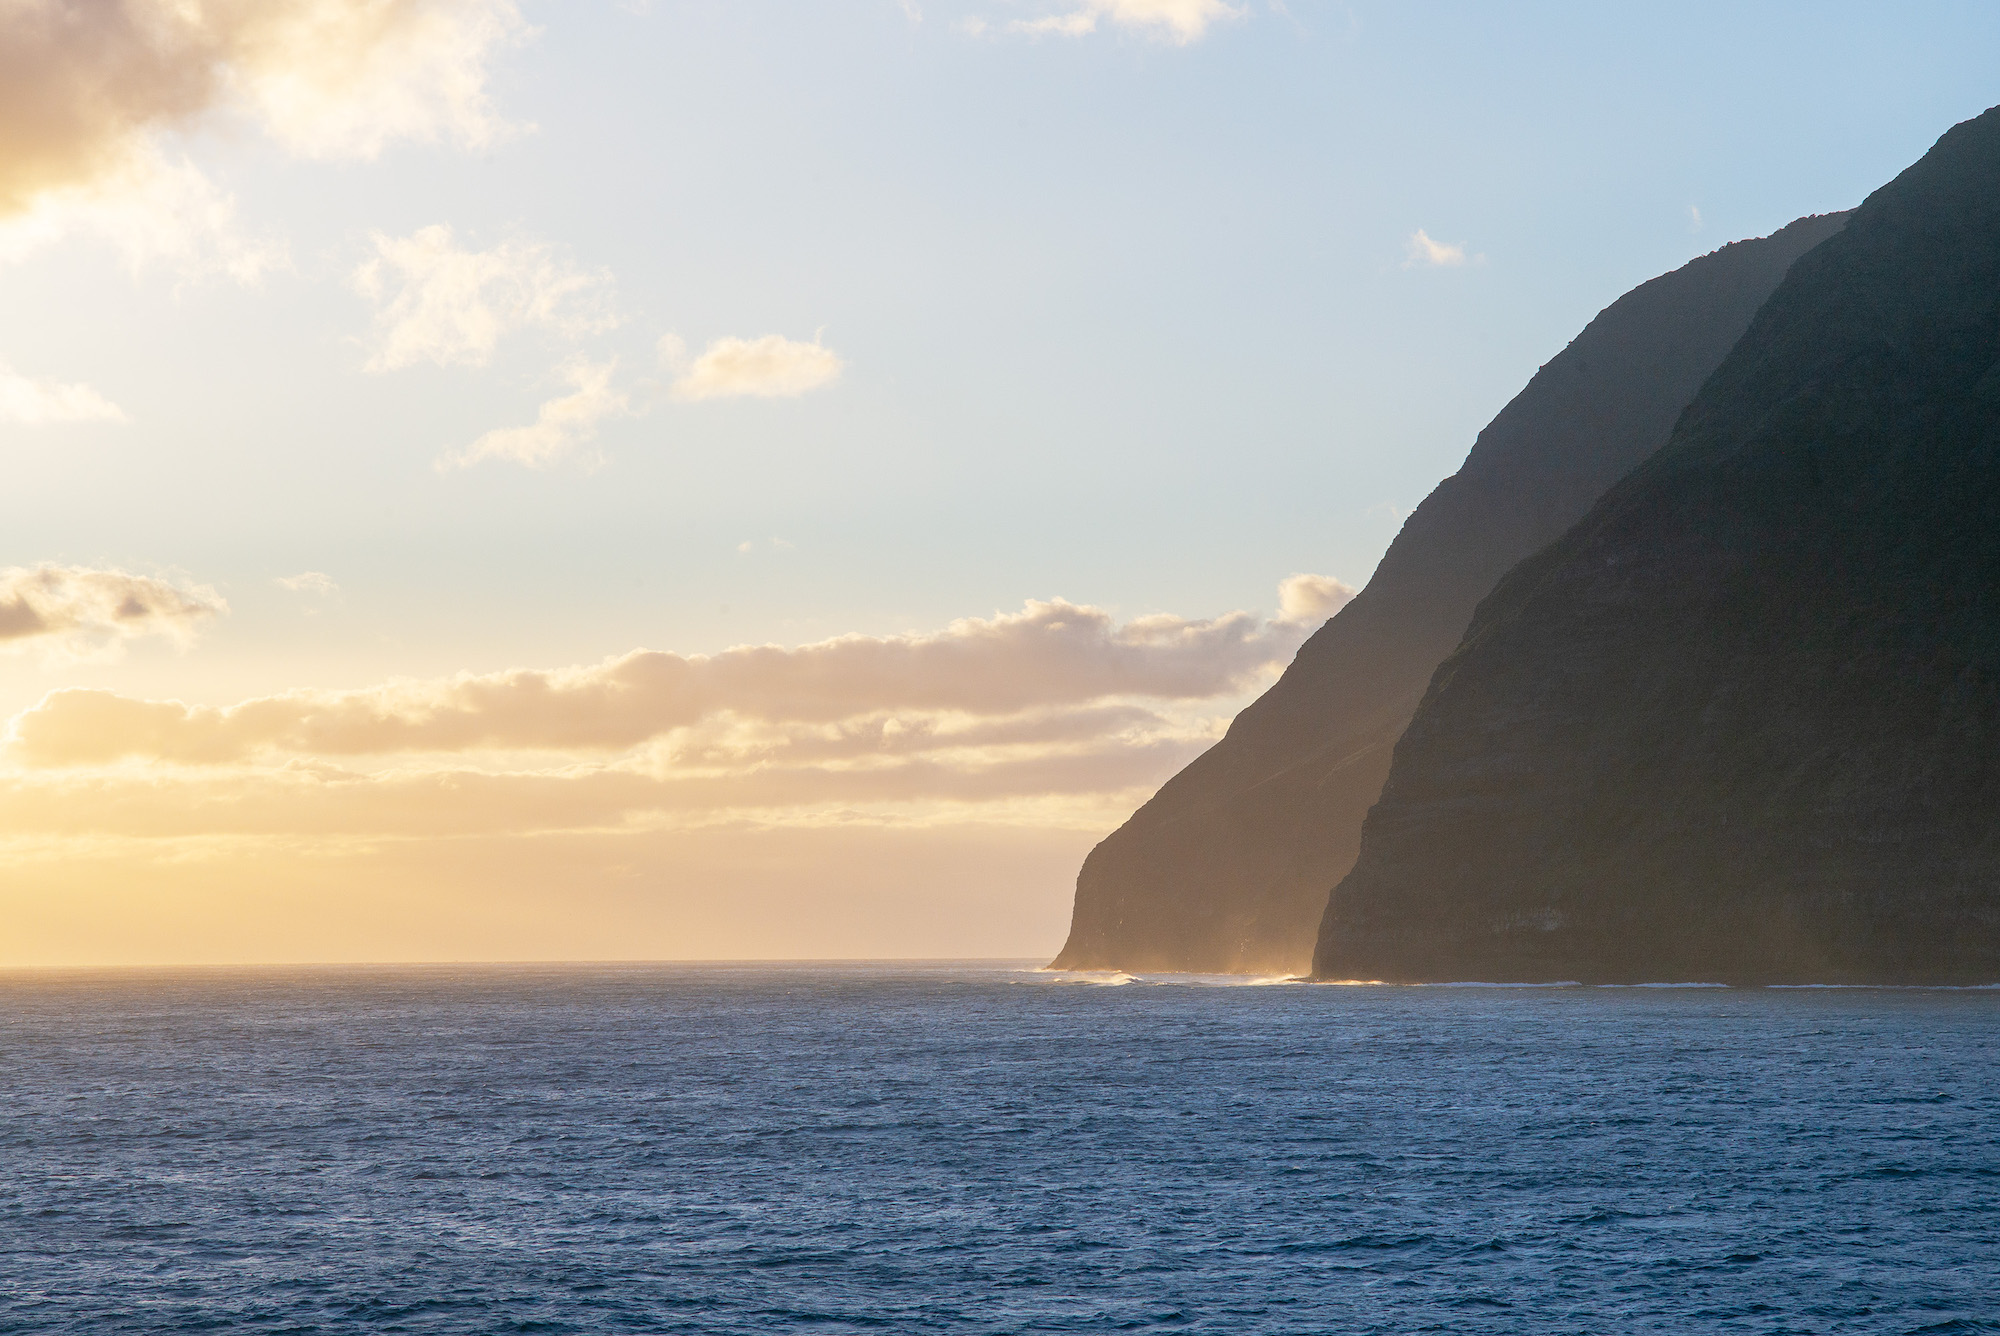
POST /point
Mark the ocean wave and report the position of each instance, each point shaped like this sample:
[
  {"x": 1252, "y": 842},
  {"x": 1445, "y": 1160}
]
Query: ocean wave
[
  {"x": 1099, "y": 978},
  {"x": 1895, "y": 987},
  {"x": 1117, "y": 978},
  {"x": 1476, "y": 983},
  {"x": 1662, "y": 985}
]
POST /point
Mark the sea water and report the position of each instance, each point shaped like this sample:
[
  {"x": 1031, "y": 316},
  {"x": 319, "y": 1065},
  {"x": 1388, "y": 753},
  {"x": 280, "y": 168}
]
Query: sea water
[{"x": 980, "y": 1148}]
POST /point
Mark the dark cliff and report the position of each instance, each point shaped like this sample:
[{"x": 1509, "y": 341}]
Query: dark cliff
[
  {"x": 1742, "y": 723},
  {"x": 1228, "y": 867}
]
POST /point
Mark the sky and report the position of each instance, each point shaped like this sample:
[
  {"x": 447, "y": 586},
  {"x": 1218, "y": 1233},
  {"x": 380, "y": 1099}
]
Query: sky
[{"x": 505, "y": 480}]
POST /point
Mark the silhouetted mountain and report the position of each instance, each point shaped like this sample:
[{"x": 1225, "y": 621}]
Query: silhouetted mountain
[
  {"x": 1228, "y": 867},
  {"x": 1743, "y": 722}
]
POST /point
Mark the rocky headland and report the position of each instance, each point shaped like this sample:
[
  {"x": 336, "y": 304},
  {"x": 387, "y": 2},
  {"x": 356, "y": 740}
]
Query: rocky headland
[
  {"x": 1227, "y": 868},
  {"x": 1742, "y": 723}
]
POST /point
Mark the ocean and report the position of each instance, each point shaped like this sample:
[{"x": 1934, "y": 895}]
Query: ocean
[{"x": 986, "y": 1148}]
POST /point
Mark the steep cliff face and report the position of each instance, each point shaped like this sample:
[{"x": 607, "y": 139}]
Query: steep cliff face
[
  {"x": 1742, "y": 723},
  {"x": 1228, "y": 867}
]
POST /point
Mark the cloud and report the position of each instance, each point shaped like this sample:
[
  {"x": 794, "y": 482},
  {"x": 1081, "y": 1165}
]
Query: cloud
[
  {"x": 770, "y": 367},
  {"x": 558, "y": 429},
  {"x": 77, "y": 83},
  {"x": 88, "y": 91},
  {"x": 436, "y": 302},
  {"x": 1177, "y": 21},
  {"x": 75, "y": 611},
  {"x": 1049, "y": 656},
  {"x": 36, "y": 402},
  {"x": 1421, "y": 250},
  {"x": 1308, "y": 600},
  {"x": 151, "y": 209},
  {"x": 319, "y": 802},
  {"x": 1077, "y": 23},
  {"x": 308, "y": 582},
  {"x": 343, "y": 78}
]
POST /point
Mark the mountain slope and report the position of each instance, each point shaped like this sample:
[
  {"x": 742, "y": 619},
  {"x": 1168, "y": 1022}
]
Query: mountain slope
[
  {"x": 1743, "y": 722},
  {"x": 1228, "y": 867}
]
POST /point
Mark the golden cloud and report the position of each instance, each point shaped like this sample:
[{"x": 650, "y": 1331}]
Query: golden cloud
[
  {"x": 771, "y": 367},
  {"x": 75, "y": 611},
  {"x": 1420, "y": 249},
  {"x": 87, "y": 90},
  {"x": 1179, "y": 21},
  {"x": 438, "y": 302},
  {"x": 1310, "y": 599},
  {"x": 422, "y": 803},
  {"x": 37, "y": 402},
  {"x": 1048, "y": 655},
  {"x": 562, "y": 425}
]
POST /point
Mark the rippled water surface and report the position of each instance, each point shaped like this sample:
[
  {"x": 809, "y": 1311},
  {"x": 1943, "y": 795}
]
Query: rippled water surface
[{"x": 978, "y": 1149}]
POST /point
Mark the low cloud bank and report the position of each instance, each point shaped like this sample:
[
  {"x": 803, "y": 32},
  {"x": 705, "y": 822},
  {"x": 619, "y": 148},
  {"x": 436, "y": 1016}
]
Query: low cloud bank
[
  {"x": 320, "y": 802},
  {"x": 1026, "y": 668}
]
